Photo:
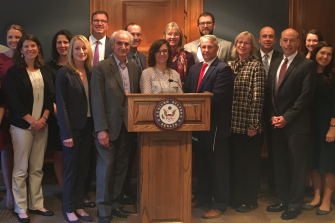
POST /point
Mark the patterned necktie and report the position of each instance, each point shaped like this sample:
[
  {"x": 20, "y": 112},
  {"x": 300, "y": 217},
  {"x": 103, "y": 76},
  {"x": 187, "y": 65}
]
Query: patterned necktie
[
  {"x": 96, "y": 53},
  {"x": 202, "y": 71},
  {"x": 282, "y": 72},
  {"x": 266, "y": 63}
]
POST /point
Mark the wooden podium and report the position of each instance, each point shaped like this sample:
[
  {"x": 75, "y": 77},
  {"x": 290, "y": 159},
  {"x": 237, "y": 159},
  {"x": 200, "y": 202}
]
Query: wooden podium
[{"x": 165, "y": 157}]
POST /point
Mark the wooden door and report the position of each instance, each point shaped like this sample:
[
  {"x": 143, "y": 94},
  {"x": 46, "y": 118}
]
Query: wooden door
[
  {"x": 310, "y": 14},
  {"x": 152, "y": 16}
]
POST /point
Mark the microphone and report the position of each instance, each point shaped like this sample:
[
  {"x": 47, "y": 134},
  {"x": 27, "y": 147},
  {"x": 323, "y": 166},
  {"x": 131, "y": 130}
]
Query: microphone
[{"x": 170, "y": 80}]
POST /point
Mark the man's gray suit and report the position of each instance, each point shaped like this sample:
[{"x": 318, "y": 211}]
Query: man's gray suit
[
  {"x": 224, "y": 52},
  {"x": 108, "y": 110}
]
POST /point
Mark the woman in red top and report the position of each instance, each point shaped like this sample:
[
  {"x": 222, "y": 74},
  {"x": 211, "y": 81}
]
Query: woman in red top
[{"x": 13, "y": 34}]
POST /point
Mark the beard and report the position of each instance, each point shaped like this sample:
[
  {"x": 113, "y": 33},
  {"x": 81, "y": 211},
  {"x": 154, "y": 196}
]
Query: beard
[{"x": 210, "y": 33}]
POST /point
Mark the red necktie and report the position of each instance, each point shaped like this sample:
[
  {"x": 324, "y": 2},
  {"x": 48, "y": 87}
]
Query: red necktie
[
  {"x": 282, "y": 72},
  {"x": 96, "y": 53},
  {"x": 202, "y": 71}
]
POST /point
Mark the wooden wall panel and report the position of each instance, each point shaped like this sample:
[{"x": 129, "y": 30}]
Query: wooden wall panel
[{"x": 152, "y": 16}]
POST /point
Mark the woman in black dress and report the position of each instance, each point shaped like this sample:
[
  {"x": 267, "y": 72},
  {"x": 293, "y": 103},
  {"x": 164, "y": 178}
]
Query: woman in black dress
[
  {"x": 323, "y": 126},
  {"x": 60, "y": 44}
]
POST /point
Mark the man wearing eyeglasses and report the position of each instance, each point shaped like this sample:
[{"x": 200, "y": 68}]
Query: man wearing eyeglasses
[
  {"x": 100, "y": 43},
  {"x": 111, "y": 79},
  {"x": 206, "y": 25}
]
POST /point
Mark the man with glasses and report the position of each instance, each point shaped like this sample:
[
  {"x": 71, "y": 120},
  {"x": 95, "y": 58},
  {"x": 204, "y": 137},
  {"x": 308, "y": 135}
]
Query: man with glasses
[
  {"x": 111, "y": 79},
  {"x": 206, "y": 25},
  {"x": 100, "y": 43}
]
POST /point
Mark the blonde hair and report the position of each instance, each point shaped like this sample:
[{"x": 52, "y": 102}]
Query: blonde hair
[
  {"x": 253, "y": 52},
  {"x": 69, "y": 55},
  {"x": 174, "y": 25}
]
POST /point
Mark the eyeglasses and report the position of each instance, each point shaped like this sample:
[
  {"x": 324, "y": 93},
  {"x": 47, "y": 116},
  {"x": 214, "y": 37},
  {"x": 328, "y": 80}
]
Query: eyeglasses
[
  {"x": 162, "y": 51},
  {"x": 245, "y": 43},
  {"x": 101, "y": 21},
  {"x": 205, "y": 23}
]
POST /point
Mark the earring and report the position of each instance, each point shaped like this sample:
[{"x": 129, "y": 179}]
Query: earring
[{"x": 21, "y": 55}]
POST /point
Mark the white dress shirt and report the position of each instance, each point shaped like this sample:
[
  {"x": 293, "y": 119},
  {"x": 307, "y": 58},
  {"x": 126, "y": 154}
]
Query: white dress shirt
[
  {"x": 289, "y": 61},
  {"x": 93, "y": 42},
  {"x": 269, "y": 56},
  {"x": 209, "y": 64}
]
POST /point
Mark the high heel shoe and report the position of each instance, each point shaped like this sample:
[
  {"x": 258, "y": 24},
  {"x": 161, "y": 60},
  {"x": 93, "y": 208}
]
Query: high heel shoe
[{"x": 67, "y": 219}]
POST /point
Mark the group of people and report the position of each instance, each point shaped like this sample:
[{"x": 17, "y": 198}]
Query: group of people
[{"x": 79, "y": 97}]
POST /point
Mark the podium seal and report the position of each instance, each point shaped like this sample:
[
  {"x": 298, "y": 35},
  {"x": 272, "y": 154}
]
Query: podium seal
[{"x": 169, "y": 114}]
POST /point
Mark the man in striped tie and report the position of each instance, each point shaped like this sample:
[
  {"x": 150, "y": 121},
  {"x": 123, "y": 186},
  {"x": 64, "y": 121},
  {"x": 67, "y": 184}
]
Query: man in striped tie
[{"x": 267, "y": 54}]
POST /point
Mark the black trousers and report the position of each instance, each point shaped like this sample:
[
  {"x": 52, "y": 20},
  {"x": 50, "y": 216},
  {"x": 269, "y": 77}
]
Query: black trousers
[
  {"x": 126, "y": 189},
  {"x": 75, "y": 167},
  {"x": 290, "y": 153},
  {"x": 270, "y": 172},
  {"x": 246, "y": 158},
  {"x": 212, "y": 165}
]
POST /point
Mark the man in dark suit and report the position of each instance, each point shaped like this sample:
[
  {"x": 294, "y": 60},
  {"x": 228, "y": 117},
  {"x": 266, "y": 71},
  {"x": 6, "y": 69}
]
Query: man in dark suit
[
  {"x": 99, "y": 26},
  {"x": 267, "y": 55},
  {"x": 111, "y": 78},
  {"x": 211, "y": 148},
  {"x": 135, "y": 55},
  {"x": 289, "y": 91}
]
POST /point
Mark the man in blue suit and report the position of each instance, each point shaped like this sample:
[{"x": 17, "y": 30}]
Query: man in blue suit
[{"x": 211, "y": 147}]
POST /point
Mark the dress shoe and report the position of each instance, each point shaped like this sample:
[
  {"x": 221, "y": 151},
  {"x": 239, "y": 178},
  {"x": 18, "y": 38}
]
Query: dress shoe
[
  {"x": 291, "y": 213},
  {"x": 279, "y": 207},
  {"x": 308, "y": 206},
  {"x": 105, "y": 219},
  {"x": 212, "y": 213},
  {"x": 321, "y": 212},
  {"x": 43, "y": 213},
  {"x": 84, "y": 218},
  {"x": 23, "y": 220},
  {"x": 126, "y": 200},
  {"x": 67, "y": 219},
  {"x": 246, "y": 208},
  {"x": 197, "y": 204},
  {"x": 89, "y": 204},
  {"x": 118, "y": 212}
]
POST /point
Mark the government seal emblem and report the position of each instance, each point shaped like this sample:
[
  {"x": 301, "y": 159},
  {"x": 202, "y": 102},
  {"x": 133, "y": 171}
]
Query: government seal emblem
[{"x": 169, "y": 114}]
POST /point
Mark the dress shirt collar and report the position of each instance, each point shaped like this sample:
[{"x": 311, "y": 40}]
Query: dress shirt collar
[
  {"x": 290, "y": 58},
  {"x": 119, "y": 62},
  {"x": 270, "y": 54},
  {"x": 93, "y": 40},
  {"x": 210, "y": 62},
  {"x": 131, "y": 53}
]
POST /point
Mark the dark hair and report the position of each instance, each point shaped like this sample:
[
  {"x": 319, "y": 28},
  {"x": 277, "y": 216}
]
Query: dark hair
[
  {"x": 16, "y": 27},
  {"x": 315, "y": 32},
  {"x": 329, "y": 70},
  {"x": 206, "y": 14},
  {"x": 19, "y": 61},
  {"x": 99, "y": 12},
  {"x": 154, "y": 48},
  {"x": 131, "y": 24},
  {"x": 54, "y": 52}
]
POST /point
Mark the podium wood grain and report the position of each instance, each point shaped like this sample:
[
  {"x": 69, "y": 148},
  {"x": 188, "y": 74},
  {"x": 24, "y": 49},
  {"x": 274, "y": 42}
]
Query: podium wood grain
[{"x": 165, "y": 157}]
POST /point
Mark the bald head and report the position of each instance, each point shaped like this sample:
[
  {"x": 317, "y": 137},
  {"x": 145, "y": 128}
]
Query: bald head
[
  {"x": 289, "y": 41},
  {"x": 267, "y": 39}
]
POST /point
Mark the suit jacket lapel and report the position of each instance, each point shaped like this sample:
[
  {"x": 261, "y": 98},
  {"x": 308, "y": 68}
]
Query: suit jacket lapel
[
  {"x": 208, "y": 73},
  {"x": 131, "y": 70},
  {"x": 116, "y": 73},
  {"x": 196, "y": 78},
  {"x": 290, "y": 68},
  {"x": 274, "y": 68},
  {"x": 24, "y": 76},
  {"x": 80, "y": 81}
]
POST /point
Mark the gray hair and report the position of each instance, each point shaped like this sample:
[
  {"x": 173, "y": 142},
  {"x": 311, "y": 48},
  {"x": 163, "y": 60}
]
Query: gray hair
[
  {"x": 112, "y": 39},
  {"x": 210, "y": 37}
]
